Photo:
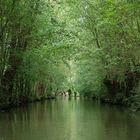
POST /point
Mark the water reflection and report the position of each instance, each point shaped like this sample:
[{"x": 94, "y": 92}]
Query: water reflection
[{"x": 67, "y": 119}]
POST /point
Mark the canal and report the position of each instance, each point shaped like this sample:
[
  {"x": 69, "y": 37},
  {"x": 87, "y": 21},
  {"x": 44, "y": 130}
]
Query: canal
[{"x": 69, "y": 119}]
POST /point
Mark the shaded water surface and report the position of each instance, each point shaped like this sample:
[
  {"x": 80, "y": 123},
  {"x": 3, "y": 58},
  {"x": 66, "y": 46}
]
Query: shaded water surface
[{"x": 65, "y": 119}]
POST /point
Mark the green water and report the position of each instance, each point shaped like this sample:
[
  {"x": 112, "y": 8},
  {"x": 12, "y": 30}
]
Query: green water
[{"x": 66, "y": 119}]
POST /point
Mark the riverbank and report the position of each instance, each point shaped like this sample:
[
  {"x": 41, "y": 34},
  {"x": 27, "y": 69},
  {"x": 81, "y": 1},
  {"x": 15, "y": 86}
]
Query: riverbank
[
  {"x": 118, "y": 101},
  {"x": 132, "y": 102},
  {"x": 6, "y": 107}
]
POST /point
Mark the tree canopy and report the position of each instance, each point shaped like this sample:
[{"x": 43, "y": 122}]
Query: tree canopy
[{"x": 50, "y": 47}]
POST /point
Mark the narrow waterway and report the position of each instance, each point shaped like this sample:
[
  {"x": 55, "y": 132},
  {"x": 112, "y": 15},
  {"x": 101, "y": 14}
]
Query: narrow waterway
[{"x": 69, "y": 119}]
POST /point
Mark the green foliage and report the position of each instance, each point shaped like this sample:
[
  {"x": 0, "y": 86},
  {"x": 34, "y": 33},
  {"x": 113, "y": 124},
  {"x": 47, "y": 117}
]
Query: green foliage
[
  {"x": 41, "y": 66},
  {"x": 47, "y": 47}
]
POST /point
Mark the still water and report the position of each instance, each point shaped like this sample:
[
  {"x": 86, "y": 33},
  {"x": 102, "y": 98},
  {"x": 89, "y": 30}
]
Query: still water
[{"x": 69, "y": 119}]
